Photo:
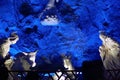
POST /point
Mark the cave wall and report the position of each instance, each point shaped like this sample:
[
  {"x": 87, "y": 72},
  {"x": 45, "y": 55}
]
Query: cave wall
[{"x": 77, "y": 33}]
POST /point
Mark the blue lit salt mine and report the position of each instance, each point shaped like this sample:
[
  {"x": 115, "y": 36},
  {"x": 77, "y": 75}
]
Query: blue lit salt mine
[{"x": 64, "y": 34}]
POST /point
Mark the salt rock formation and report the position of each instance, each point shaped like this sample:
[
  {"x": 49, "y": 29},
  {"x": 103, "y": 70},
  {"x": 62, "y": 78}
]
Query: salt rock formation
[
  {"x": 4, "y": 52},
  {"x": 22, "y": 61},
  {"x": 50, "y": 20},
  {"x": 49, "y": 15},
  {"x": 110, "y": 53},
  {"x": 26, "y": 60},
  {"x": 5, "y": 46},
  {"x": 68, "y": 66}
]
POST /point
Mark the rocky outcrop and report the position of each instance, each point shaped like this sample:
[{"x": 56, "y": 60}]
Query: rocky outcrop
[
  {"x": 68, "y": 66},
  {"x": 79, "y": 17},
  {"x": 22, "y": 61},
  {"x": 5, "y": 46},
  {"x": 49, "y": 15},
  {"x": 110, "y": 54}
]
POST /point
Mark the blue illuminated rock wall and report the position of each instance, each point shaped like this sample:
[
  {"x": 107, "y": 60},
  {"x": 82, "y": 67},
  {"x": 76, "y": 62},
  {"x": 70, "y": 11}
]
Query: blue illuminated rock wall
[{"x": 77, "y": 33}]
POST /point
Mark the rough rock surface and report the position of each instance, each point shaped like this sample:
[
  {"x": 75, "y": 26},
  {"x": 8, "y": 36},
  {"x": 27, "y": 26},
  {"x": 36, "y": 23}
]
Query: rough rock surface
[
  {"x": 110, "y": 55},
  {"x": 77, "y": 32}
]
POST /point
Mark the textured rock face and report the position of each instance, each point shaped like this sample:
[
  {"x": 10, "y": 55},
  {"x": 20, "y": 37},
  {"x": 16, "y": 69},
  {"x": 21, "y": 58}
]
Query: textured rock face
[
  {"x": 50, "y": 14},
  {"x": 26, "y": 60},
  {"x": 68, "y": 66},
  {"x": 109, "y": 52},
  {"x": 78, "y": 20},
  {"x": 22, "y": 61},
  {"x": 110, "y": 55},
  {"x": 5, "y": 46}
]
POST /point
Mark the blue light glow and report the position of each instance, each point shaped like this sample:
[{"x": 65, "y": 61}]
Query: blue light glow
[{"x": 75, "y": 31}]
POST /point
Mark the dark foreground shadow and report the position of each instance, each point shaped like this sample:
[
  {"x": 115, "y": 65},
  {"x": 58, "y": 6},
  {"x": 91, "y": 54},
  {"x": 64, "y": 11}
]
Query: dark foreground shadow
[
  {"x": 93, "y": 70},
  {"x": 3, "y": 72}
]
